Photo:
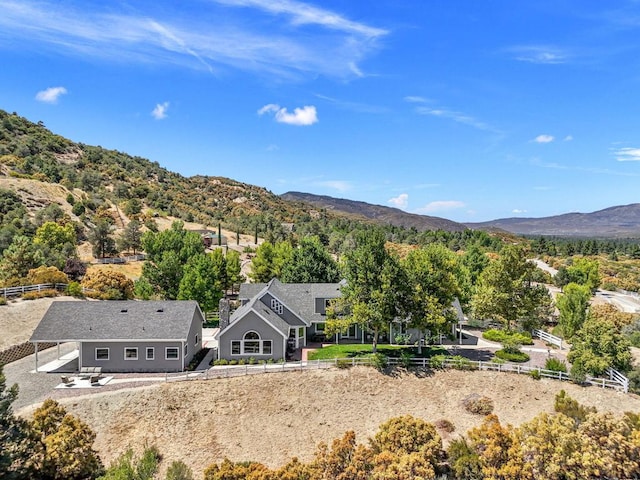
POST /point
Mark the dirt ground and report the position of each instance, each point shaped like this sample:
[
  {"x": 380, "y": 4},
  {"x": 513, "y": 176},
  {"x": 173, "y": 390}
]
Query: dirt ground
[
  {"x": 270, "y": 418},
  {"x": 19, "y": 318}
]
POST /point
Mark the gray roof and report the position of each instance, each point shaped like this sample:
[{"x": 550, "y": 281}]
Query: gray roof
[
  {"x": 298, "y": 297},
  {"x": 116, "y": 320}
]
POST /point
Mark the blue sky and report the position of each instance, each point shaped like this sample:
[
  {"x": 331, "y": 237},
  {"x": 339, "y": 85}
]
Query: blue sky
[{"x": 465, "y": 109}]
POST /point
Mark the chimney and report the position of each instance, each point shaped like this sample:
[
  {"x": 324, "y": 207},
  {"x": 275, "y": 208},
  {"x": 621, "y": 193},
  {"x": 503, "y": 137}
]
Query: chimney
[{"x": 224, "y": 308}]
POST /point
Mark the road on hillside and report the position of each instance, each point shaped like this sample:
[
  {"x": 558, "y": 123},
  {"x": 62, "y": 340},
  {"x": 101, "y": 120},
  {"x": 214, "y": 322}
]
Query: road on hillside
[{"x": 626, "y": 303}]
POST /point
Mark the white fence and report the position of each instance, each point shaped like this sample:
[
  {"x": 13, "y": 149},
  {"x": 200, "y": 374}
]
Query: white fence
[
  {"x": 616, "y": 381},
  {"x": 547, "y": 337},
  {"x": 21, "y": 290},
  {"x": 118, "y": 260}
]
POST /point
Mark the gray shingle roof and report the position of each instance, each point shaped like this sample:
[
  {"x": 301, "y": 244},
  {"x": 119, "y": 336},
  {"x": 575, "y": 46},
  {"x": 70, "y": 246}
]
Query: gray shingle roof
[
  {"x": 299, "y": 297},
  {"x": 116, "y": 320}
]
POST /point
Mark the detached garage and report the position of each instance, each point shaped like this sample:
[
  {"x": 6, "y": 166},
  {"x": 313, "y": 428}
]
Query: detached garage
[{"x": 125, "y": 336}]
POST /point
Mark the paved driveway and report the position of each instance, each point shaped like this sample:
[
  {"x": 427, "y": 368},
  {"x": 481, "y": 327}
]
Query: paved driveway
[{"x": 34, "y": 387}]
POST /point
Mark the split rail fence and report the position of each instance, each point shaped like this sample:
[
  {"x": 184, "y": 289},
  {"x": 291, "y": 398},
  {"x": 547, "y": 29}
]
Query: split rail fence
[{"x": 615, "y": 381}]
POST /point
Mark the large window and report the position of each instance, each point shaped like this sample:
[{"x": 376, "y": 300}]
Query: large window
[
  {"x": 251, "y": 344},
  {"x": 171, "y": 353},
  {"x": 130, "y": 353},
  {"x": 102, "y": 354}
]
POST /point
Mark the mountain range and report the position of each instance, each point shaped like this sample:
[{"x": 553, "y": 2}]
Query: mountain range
[{"x": 618, "y": 221}]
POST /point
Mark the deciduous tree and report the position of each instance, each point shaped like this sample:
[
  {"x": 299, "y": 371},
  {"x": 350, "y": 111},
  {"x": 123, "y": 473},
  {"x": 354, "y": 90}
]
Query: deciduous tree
[
  {"x": 376, "y": 291},
  {"x": 310, "y": 263},
  {"x": 506, "y": 292},
  {"x": 204, "y": 279},
  {"x": 572, "y": 304},
  {"x": 107, "y": 285}
]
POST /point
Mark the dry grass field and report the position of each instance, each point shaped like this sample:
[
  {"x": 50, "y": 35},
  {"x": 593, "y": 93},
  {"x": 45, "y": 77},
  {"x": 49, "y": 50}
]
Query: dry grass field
[{"x": 270, "y": 418}]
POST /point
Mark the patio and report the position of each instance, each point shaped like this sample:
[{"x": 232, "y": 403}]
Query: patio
[{"x": 83, "y": 381}]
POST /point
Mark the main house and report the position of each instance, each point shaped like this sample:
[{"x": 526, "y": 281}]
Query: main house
[
  {"x": 275, "y": 317},
  {"x": 125, "y": 336}
]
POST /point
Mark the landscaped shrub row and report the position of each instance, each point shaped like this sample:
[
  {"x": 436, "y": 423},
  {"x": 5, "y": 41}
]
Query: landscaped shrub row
[
  {"x": 245, "y": 361},
  {"x": 495, "y": 335}
]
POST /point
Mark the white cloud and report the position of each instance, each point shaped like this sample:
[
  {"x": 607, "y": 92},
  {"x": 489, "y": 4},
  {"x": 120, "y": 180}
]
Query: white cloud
[
  {"x": 401, "y": 201},
  {"x": 544, "y": 139},
  {"x": 517, "y": 211},
  {"x": 459, "y": 117},
  {"x": 288, "y": 39},
  {"x": 160, "y": 112},
  {"x": 51, "y": 95},
  {"x": 440, "y": 205},
  {"x": 304, "y": 116},
  {"x": 415, "y": 99},
  {"x": 628, "y": 154},
  {"x": 541, "y": 54},
  {"x": 339, "y": 185},
  {"x": 568, "y": 138}
]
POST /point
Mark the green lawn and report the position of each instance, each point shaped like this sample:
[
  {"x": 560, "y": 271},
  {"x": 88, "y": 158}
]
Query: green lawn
[{"x": 350, "y": 350}]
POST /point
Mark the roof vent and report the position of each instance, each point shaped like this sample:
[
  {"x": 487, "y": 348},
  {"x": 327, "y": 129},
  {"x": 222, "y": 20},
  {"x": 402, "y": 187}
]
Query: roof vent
[
  {"x": 160, "y": 310},
  {"x": 124, "y": 310}
]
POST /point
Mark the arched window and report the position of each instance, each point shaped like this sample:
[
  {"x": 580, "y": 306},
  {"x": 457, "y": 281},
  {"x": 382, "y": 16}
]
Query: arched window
[{"x": 251, "y": 343}]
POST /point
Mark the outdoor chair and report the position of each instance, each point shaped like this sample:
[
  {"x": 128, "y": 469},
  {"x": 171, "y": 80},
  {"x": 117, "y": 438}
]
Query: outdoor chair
[{"x": 68, "y": 382}]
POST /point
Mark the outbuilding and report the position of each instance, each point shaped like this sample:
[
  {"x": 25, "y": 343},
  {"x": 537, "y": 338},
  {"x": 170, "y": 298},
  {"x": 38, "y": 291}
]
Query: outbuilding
[{"x": 125, "y": 336}]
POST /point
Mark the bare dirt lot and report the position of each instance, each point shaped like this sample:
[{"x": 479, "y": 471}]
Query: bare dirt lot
[{"x": 270, "y": 418}]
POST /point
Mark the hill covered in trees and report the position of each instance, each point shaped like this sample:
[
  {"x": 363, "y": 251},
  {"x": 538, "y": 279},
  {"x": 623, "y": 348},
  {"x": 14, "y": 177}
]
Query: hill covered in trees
[{"x": 377, "y": 213}]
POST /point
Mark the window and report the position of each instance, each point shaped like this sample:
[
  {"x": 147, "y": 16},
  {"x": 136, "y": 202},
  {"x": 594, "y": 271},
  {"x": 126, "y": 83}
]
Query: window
[
  {"x": 130, "y": 353},
  {"x": 102, "y": 354},
  {"x": 276, "y": 306},
  {"x": 171, "y": 353},
  {"x": 320, "y": 327},
  {"x": 196, "y": 340},
  {"x": 186, "y": 348},
  {"x": 151, "y": 353},
  {"x": 251, "y": 344}
]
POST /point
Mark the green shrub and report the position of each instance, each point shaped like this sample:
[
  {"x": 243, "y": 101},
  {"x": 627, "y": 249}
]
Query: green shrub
[
  {"x": 233, "y": 362},
  {"x": 478, "y": 405},
  {"x": 495, "y": 335},
  {"x": 252, "y": 361},
  {"x": 75, "y": 290},
  {"x": 402, "y": 338},
  {"x": 535, "y": 374},
  {"x": 461, "y": 363},
  {"x": 555, "y": 364},
  {"x": 242, "y": 361},
  {"x": 178, "y": 470},
  {"x": 3, "y": 301},
  {"x": 379, "y": 361},
  {"x": 518, "y": 357},
  {"x": 634, "y": 339},
  {"x": 405, "y": 359},
  {"x": 437, "y": 361},
  {"x": 222, "y": 361}
]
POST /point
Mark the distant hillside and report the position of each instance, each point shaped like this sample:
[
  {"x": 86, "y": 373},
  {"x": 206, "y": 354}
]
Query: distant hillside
[
  {"x": 377, "y": 213},
  {"x": 45, "y": 168},
  {"x": 619, "y": 221}
]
